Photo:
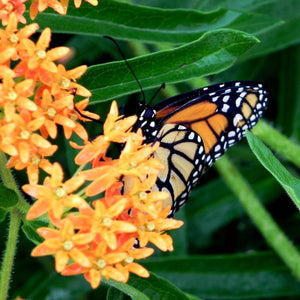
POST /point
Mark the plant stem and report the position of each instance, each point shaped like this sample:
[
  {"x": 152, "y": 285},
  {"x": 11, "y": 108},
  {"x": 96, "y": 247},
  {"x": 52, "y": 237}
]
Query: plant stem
[
  {"x": 15, "y": 220},
  {"x": 9, "y": 181},
  {"x": 8, "y": 259},
  {"x": 277, "y": 141},
  {"x": 259, "y": 215}
]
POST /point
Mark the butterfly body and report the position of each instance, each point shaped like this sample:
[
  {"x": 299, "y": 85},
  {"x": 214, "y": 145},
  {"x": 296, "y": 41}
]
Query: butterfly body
[{"x": 196, "y": 128}]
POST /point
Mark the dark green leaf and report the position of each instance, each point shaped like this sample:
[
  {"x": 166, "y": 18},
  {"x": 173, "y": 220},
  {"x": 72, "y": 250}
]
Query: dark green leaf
[
  {"x": 3, "y": 213},
  {"x": 8, "y": 197},
  {"x": 240, "y": 276},
  {"x": 245, "y": 5},
  {"x": 210, "y": 208},
  {"x": 214, "y": 52},
  {"x": 131, "y": 291},
  {"x": 289, "y": 92},
  {"x": 114, "y": 294},
  {"x": 30, "y": 227},
  {"x": 53, "y": 286},
  {"x": 283, "y": 36},
  {"x": 290, "y": 183},
  {"x": 153, "y": 287},
  {"x": 132, "y": 22}
]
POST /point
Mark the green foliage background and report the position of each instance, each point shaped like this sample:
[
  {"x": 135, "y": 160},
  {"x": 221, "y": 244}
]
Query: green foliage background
[{"x": 226, "y": 249}]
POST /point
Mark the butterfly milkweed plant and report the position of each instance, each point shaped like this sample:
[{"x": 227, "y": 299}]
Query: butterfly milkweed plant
[{"x": 80, "y": 215}]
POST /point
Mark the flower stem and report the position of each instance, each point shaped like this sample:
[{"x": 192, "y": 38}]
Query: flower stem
[
  {"x": 259, "y": 215},
  {"x": 8, "y": 259},
  {"x": 278, "y": 142}
]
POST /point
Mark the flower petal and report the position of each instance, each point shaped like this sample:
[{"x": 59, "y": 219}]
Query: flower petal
[
  {"x": 80, "y": 258},
  {"x": 61, "y": 260}
]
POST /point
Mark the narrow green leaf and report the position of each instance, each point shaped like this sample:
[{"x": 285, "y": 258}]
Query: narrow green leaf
[
  {"x": 8, "y": 197},
  {"x": 114, "y": 294},
  {"x": 290, "y": 183},
  {"x": 149, "y": 288},
  {"x": 134, "y": 22},
  {"x": 133, "y": 292},
  {"x": 214, "y": 52},
  {"x": 278, "y": 142},
  {"x": 232, "y": 276}
]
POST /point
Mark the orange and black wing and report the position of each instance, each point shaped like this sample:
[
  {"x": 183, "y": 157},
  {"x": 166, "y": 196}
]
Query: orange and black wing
[{"x": 196, "y": 128}]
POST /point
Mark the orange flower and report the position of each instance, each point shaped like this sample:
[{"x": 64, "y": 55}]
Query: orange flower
[
  {"x": 134, "y": 161},
  {"x": 102, "y": 265},
  {"x": 8, "y": 7},
  {"x": 104, "y": 221},
  {"x": 37, "y": 63},
  {"x": 152, "y": 229},
  {"x": 14, "y": 97},
  {"x": 40, "y": 5},
  {"x": 128, "y": 265},
  {"x": 65, "y": 243},
  {"x": 142, "y": 199},
  {"x": 20, "y": 137},
  {"x": 115, "y": 130},
  {"x": 25, "y": 120},
  {"x": 54, "y": 195},
  {"x": 60, "y": 7},
  {"x": 65, "y": 80},
  {"x": 36, "y": 161},
  {"x": 98, "y": 240},
  {"x": 56, "y": 112},
  {"x": 11, "y": 36},
  {"x": 78, "y": 2}
]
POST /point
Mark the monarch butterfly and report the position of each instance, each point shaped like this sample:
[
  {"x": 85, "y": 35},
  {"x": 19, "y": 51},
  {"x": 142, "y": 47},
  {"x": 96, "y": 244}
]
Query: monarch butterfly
[{"x": 196, "y": 128}]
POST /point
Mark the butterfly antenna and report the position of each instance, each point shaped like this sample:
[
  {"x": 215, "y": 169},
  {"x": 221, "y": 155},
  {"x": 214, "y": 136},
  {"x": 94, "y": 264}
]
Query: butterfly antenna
[
  {"x": 163, "y": 85},
  {"x": 128, "y": 65}
]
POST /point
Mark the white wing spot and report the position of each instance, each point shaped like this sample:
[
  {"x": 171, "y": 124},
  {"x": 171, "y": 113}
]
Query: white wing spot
[
  {"x": 226, "y": 98},
  {"x": 225, "y": 108},
  {"x": 191, "y": 136},
  {"x": 238, "y": 101},
  {"x": 237, "y": 118}
]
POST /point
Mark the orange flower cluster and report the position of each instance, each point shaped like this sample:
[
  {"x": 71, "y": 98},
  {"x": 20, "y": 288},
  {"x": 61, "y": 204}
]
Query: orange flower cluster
[
  {"x": 98, "y": 240},
  {"x": 17, "y": 7},
  {"x": 35, "y": 97}
]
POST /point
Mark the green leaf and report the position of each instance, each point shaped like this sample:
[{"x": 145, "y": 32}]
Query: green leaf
[
  {"x": 45, "y": 284},
  {"x": 239, "y": 276},
  {"x": 133, "y": 292},
  {"x": 290, "y": 183},
  {"x": 210, "y": 208},
  {"x": 3, "y": 213},
  {"x": 8, "y": 197},
  {"x": 283, "y": 36},
  {"x": 214, "y": 52},
  {"x": 248, "y": 5},
  {"x": 133, "y": 22},
  {"x": 114, "y": 294},
  {"x": 149, "y": 288},
  {"x": 289, "y": 92},
  {"x": 30, "y": 227}
]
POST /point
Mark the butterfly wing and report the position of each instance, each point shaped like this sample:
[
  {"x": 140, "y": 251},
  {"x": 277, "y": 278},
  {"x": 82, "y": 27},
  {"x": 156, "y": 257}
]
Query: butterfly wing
[{"x": 196, "y": 128}]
